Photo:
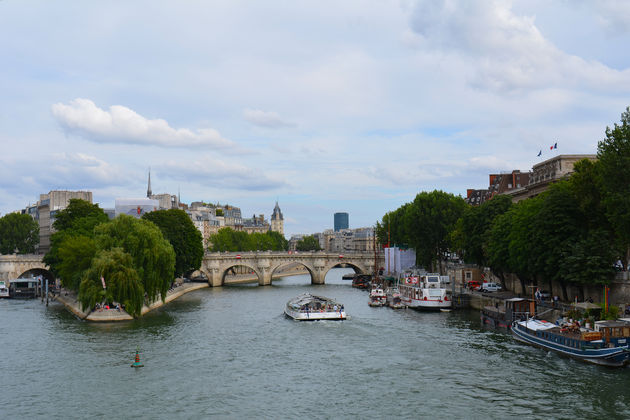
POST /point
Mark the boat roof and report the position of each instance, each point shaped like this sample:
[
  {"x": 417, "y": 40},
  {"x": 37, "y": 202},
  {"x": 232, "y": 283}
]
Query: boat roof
[
  {"x": 537, "y": 324},
  {"x": 516, "y": 299},
  {"x": 307, "y": 297}
]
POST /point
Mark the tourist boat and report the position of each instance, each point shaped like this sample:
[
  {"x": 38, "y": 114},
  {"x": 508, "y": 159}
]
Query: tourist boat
[
  {"x": 394, "y": 298},
  {"x": 426, "y": 291},
  {"x": 23, "y": 288},
  {"x": 4, "y": 290},
  {"x": 514, "y": 309},
  {"x": 377, "y": 296},
  {"x": 608, "y": 346},
  {"x": 308, "y": 307},
  {"x": 348, "y": 276}
]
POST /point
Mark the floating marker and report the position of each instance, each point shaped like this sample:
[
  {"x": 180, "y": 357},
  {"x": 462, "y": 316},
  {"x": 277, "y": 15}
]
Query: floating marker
[{"x": 136, "y": 363}]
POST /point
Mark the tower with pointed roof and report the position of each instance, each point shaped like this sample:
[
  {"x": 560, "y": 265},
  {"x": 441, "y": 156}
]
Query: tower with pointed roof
[
  {"x": 277, "y": 220},
  {"x": 149, "y": 193}
]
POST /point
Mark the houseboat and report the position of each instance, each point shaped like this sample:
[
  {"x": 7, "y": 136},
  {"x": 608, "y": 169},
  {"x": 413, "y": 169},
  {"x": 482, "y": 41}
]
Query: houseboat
[
  {"x": 608, "y": 346},
  {"x": 308, "y": 307},
  {"x": 23, "y": 288},
  {"x": 514, "y": 309},
  {"x": 426, "y": 292},
  {"x": 4, "y": 290}
]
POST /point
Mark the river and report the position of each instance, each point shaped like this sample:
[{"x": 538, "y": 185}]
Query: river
[{"x": 231, "y": 353}]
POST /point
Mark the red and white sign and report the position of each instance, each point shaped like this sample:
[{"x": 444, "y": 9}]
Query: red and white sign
[{"x": 238, "y": 257}]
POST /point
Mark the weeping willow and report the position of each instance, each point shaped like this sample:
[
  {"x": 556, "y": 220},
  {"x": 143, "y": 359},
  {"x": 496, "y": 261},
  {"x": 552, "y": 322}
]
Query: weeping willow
[
  {"x": 153, "y": 256},
  {"x": 123, "y": 284}
]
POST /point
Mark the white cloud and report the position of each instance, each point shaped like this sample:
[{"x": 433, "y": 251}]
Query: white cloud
[
  {"x": 220, "y": 174},
  {"x": 267, "y": 119},
  {"x": 506, "y": 51},
  {"x": 120, "y": 124}
]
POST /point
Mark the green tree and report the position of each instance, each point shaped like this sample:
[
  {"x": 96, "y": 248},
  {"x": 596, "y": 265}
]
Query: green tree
[
  {"x": 182, "y": 234},
  {"x": 472, "y": 229},
  {"x": 19, "y": 233},
  {"x": 613, "y": 155},
  {"x": 75, "y": 254},
  {"x": 122, "y": 282},
  {"x": 79, "y": 218},
  {"x": 308, "y": 243},
  {"x": 429, "y": 222},
  {"x": 152, "y": 255}
]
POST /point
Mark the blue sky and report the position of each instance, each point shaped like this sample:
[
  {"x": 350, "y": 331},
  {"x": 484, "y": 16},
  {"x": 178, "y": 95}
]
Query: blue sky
[{"x": 325, "y": 106}]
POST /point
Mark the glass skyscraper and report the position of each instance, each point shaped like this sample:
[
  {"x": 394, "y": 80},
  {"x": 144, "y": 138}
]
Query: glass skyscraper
[{"x": 341, "y": 221}]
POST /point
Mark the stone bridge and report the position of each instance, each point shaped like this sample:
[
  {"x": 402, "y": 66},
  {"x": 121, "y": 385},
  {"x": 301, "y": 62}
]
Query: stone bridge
[
  {"x": 215, "y": 265},
  {"x": 28, "y": 265}
]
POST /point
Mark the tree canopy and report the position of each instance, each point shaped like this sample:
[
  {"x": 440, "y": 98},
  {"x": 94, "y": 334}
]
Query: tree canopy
[
  {"x": 308, "y": 243},
  {"x": 182, "y": 234},
  {"x": 152, "y": 255},
  {"x": 19, "y": 233},
  {"x": 227, "y": 239}
]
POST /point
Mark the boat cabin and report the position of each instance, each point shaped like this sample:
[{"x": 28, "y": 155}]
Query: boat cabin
[
  {"x": 23, "y": 288},
  {"x": 616, "y": 332}
]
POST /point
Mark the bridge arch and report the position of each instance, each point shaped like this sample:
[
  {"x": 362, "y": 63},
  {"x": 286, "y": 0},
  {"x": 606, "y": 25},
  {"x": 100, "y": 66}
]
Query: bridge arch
[{"x": 282, "y": 264}]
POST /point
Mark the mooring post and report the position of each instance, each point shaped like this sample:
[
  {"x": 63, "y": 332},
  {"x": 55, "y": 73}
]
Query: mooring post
[{"x": 46, "y": 292}]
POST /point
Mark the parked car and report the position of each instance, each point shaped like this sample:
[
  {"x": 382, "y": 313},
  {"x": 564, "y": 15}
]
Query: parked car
[
  {"x": 473, "y": 285},
  {"x": 490, "y": 287}
]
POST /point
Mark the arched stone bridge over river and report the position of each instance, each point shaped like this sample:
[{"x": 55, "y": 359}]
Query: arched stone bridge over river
[{"x": 216, "y": 265}]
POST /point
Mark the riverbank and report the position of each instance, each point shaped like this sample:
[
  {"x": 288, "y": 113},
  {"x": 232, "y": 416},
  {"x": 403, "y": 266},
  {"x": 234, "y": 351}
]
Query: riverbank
[{"x": 69, "y": 300}]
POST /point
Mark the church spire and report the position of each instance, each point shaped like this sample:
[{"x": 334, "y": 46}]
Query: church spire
[{"x": 149, "y": 193}]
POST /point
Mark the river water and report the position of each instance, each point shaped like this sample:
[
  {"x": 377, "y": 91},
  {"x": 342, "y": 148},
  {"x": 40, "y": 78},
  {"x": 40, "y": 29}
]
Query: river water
[{"x": 231, "y": 353}]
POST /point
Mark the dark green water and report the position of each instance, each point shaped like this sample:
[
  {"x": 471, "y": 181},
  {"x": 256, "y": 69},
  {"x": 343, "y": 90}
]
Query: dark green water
[{"x": 231, "y": 353}]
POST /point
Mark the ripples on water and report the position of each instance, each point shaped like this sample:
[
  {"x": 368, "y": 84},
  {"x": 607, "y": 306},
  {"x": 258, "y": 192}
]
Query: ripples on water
[{"x": 231, "y": 353}]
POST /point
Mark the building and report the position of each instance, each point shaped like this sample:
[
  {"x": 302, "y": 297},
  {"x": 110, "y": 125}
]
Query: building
[
  {"x": 341, "y": 221},
  {"x": 46, "y": 209},
  {"x": 257, "y": 224},
  {"x": 165, "y": 201},
  {"x": 135, "y": 207},
  {"x": 521, "y": 185},
  {"x": 277, "y": 220},
  {"x": 498, "y": 184},
  {"x": 545, "y": 173}
]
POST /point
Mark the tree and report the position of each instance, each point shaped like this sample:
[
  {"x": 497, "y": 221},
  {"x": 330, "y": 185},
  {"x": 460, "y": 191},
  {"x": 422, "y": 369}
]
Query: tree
[
  {"x": 152, "y": 255},
  {"x": 470, "y": 234},
  {"x": 79, "y": 218},
  {"x": 613, "y": 155},
  {"x": 182, "y": 234},
  {"x": 308, "y": 243},
  {"x": 227, "y": 239},
  {"x": 429, "y": 222},
  {"x": 75, "y": 257},
  {"x": 19, "y": 233},
  {"x": 122, "y": 282}
]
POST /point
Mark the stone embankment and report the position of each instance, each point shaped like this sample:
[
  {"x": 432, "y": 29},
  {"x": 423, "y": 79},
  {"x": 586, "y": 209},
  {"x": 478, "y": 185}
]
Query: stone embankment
[
  {"x": 69, "y": 300},
  {"x": 478, "y": 300}
]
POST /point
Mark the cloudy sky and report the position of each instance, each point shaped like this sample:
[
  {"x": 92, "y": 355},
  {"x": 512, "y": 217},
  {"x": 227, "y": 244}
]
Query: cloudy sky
[{"x": 325, "y": 106}]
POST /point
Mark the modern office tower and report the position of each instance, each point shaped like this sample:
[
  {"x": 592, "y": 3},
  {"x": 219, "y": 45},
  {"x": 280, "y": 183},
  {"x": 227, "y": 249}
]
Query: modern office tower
[{"x": 341, "y": 221}]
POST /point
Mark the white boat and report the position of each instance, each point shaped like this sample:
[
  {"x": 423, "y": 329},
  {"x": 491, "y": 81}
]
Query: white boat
[
  {"x": 426, "y": 291},
  {"x": 307, "y": 307},
  {"x": 394, "y": 298},
  {"x": 377, "y": 296},
  {"x": 4, "y": 290}
]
